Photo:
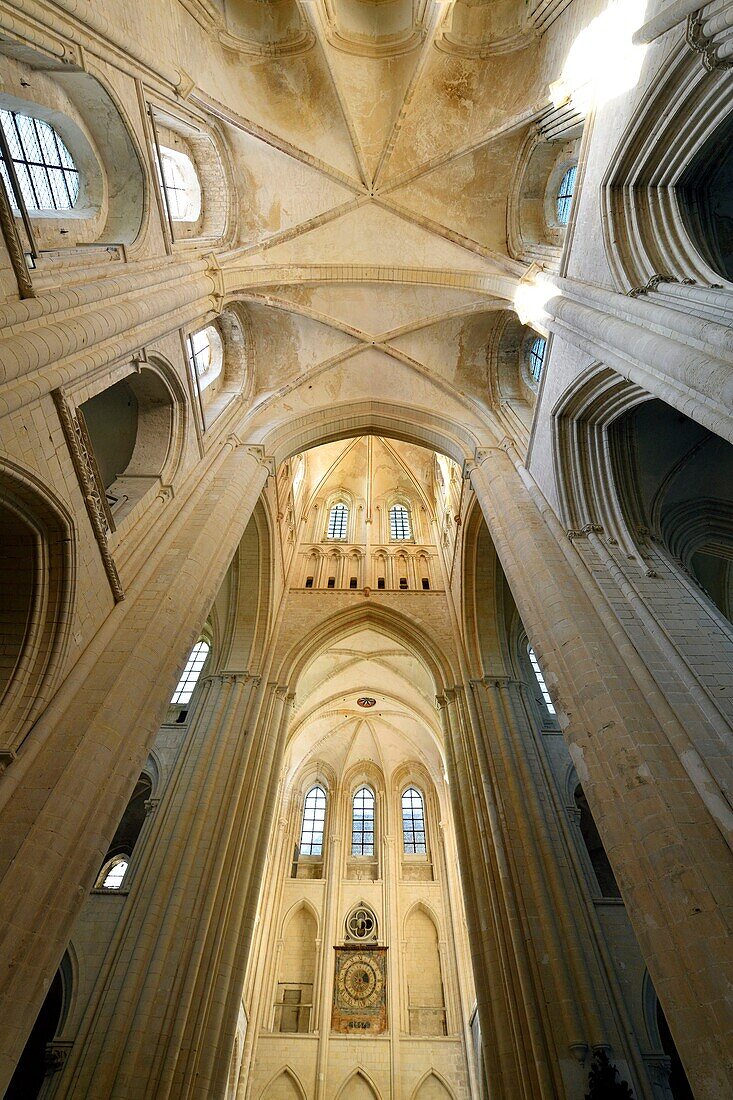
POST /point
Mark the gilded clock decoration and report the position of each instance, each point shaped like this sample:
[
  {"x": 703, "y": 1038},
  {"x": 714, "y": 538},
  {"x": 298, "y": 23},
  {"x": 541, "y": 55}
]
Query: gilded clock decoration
[
  {"x": 360, "y": 981},
  {"x": 359, "y": 995}
]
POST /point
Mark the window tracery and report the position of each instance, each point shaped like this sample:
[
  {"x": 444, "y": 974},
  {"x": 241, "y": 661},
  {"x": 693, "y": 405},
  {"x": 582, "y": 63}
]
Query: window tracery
[
  {"x": 361, "y": 924},
  {"x": 46, "y": 172}
]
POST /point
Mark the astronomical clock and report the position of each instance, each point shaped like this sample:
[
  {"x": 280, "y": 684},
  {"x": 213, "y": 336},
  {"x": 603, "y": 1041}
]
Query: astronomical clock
[{"x": 360, "y": 986}]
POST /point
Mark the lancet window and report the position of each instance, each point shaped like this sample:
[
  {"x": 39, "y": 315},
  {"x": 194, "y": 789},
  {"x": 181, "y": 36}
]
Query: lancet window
[
  {"x": 537, "y": 357},
  {"x": 182, "y": 189},
  {"x": 314, "y": 816},
  {"x": 400, "y": 527},
  {"x": 338, "y": 519},
  {"x": 540, "y": 680},
  {"x": 564, "y": 198},
  {"x": 113, "y": 873},
  {"x": 413, "y": 822},
  {"x": 362, "y": 823},
  {"x": 191, "y": 673}
]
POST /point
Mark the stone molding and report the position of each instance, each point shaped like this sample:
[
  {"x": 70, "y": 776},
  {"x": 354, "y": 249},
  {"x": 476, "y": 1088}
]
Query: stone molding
[{"x": 91, "y": 488}]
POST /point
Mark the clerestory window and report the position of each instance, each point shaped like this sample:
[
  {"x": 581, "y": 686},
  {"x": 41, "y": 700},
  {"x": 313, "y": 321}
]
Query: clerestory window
[
  {"x": 180, "y": 182},
  {"x": 413, "y": 822},
  {"x": 537, "y": 357},
  {"x": 191, "y": 673},
  {"x": 362, "y": 823},
  {"x": 564, "y": 197},
  {"x": 314, "y": 816},
  {"x": 400, "y": 527},
  {"x": 205, "y": 355},
  {"x": 113, "y": 873},
  {"x": 47, "y": 175},
  {"x": 540, "y": 680},
  {"x": 338, "y": 519}
]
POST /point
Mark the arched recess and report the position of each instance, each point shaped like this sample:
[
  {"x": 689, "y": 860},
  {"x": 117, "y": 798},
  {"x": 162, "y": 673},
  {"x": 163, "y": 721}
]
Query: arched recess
[
  {"x": 233, "y": 377},
  {"x": 432, "y": 1087},
  {"x": 136, "y": 428},
  {"x": 293, "y": 1002},
  {"x": 284, "y": 1086},
  {"x": 41, "y": 1055},
  {"x": 112, "y": 200},
  {"x": 358, "y": 1086},
  {"x": 676, "y": 1085},
  {"x": 36, "y": 597},
  {"x": 644, "y": 227},
  {"x": 510, "y": 382},
  {"x": 534, "y": 230},
  {"x": 425, "y": 998}
]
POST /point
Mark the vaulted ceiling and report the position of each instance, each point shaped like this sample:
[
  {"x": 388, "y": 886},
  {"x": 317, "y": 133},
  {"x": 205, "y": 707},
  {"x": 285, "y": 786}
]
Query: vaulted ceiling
[{"x": 376, "y": 143}]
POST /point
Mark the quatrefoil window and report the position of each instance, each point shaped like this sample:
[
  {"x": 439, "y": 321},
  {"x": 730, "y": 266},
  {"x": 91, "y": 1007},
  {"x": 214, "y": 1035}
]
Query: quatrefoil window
[{"x": 361, "y": 924}]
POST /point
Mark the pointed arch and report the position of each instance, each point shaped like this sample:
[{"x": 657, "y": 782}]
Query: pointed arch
[
  {"x": 432, "y": 1086},
  {"x": 358, "y": 1086},
  {"x": 287, "y": 1079}
]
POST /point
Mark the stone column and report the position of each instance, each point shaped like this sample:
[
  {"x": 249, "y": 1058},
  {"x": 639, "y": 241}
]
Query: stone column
[
  {"x": 163, "y": 1016},
  {"x": 518, "y": 1064},
  {"x": 668, "y": 849},
  {"x": 61, "y": 800}
]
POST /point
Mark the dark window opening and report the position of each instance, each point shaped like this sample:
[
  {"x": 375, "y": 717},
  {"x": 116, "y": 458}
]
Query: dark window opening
[
  {"x": 353, "y": 582},
  {"x": 594, "y": 846},
  {"x": 425, "y": 583},
  {"x": 30, "y": 1072},
  {"x": 309, "y": 582},
  {"x": 380, "y": 582},
  {"x": 678, "y": 1083},
  {"x": 403, "y": 582},
  {"x": 331, "y": 582}
]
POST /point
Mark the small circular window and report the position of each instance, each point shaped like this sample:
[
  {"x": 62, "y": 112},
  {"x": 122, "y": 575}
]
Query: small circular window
[{"x": 564, "y": 197}]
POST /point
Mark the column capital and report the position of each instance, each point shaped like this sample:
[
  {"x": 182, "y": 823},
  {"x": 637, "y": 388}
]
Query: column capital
[
  {"x": 151, "y": 805},
  {"x": 588, "y": 529}
]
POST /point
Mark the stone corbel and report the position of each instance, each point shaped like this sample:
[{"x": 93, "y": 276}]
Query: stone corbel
[
  {"x": 55, "y": 1056},
  {"x": 708, "y": 47},
  {"x": 151, "y": 805},
  {"x": 594, "y": 528}
]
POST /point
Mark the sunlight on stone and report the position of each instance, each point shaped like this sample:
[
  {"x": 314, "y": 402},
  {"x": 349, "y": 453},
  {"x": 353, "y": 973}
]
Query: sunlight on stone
[{"x": 603, "y": 61}]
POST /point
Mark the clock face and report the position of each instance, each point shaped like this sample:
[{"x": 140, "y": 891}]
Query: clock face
[
  {"x": 360, "y": 990},
  {"x": 360, "y": 981}
]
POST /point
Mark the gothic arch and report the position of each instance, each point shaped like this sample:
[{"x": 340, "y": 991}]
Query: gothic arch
[
  {"x": 366, "y": 1082},
  {"x": 425, "y": 907},
  {"x": 38, "y": 584},
  {"x": 288, "y": 1077},
  {"x": 295, "y": 908},
  {"x": 440, "y": 1088},
  {"x": 643, "y": 227}
]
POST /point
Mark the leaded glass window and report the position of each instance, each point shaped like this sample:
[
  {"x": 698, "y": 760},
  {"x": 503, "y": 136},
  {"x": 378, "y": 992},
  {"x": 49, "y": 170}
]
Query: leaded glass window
[
  {"x": 337, "y": 520},
  {"x": 362, "y": 823},
  {"x": 537, "y": 357},
  {"x": 314, "y": 816},
  {"x": 565, "y": 195},
  {"x": 183, "y": 192},
  {"x": 115, "y": 873},
  {"x": 191, "y": 673},
  {"x": 48, "y": 177},
  {"x": 199, "y": 351},
  {"x": 400, "y": 527},
  {"x": 540, "y": 680},
  {"x": 413, "y": 822}
]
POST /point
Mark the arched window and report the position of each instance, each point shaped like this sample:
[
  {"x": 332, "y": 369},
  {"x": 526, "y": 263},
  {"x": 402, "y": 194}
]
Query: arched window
[
  {"x": 413, "y": 822},
  {"x": 540, "y": 680},
  {"x": 564, "y": 198},
  {"x": 112, "y": 874},
  {"x": 537, "y": 357},
  {"x": 205, "y": 355},
  {"x": 400, "y": 527},
  {"x": 48, "y": 177},
  {"x": 594, "y": 847},
  {"x": 338, "y": 518},
  {"x": 182, "y": 188},
  {"x": 314, "y": 816},
  {"x": 191, "y": 673},
  {"x": 362, "y": 823}
]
